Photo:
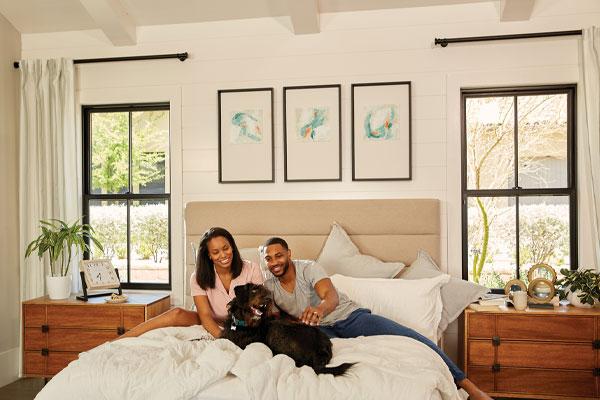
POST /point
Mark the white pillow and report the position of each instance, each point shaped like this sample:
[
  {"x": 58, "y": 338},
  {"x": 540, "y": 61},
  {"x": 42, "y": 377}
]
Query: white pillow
[
  {"x": 251, "y": 254},
  {"x": 416, "y": 304},
  {"x": 457, "y": 294},
  {"x": 341, "y": 256}
]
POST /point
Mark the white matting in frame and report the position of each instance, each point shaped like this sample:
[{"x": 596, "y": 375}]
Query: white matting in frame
[
  {"x": 246, "y": 135},
  {"x": 312, "y": 133},
  {"x": 381, "y": 131}
]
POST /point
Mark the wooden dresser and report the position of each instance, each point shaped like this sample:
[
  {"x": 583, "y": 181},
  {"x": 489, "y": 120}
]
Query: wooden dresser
[
  {"x": 56, "y": 331},
  {"x": 540, "y": 354}
]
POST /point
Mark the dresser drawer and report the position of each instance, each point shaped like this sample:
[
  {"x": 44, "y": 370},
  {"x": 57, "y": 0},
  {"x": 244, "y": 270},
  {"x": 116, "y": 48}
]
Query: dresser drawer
[
  {"x": 546, "y": 355},
  {"x": 59, "y": 360},
  {"x": 546, "y": 382},
  {"x": 481, "y": 325},
  {"x": 78, "y": 339},
  {"x": 133, "y": 316},
  {"x": 480, "y": 352},
  {"x": 482, "y": 377},
  {"x": 34, "y": 315},
  {"x": 80, "y": 316},
  {"x": 542, "y": 327},
  {"x": 34, "y": 339},
  {"x": 34, "y": 363}
]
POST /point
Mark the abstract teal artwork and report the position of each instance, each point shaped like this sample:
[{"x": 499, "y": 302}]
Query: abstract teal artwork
[
  {"x": 381, "y": 122},
  {"x": 312, "y": 124},
  {"x": 246, "y": 127}
]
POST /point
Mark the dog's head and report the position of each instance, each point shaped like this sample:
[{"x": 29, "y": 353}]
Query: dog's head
[{"x": 251, "y": 304}]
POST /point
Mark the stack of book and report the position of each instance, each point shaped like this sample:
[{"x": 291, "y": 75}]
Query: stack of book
[{"x": 491, "y": 301}]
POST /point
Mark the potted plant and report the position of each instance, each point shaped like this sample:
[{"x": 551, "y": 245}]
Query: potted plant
[
  {"x": 61, "y": 241},
  {"x": 580, "y": 287}
]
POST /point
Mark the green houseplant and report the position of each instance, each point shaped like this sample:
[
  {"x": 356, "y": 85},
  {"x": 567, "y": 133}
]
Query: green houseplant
[
  {"x": 580, "y": 287},
  {"x": 61, "y": 242}
]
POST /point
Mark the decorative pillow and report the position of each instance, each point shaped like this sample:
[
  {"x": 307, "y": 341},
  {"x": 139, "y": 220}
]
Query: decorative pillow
[
  {"x": 415, "y": 304},
  {"x": 457, "y": 294},
  {"x": 251, "y": 254},
  {"x": 341, "y": 256}
]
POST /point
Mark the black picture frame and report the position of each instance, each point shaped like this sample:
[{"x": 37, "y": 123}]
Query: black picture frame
[
  {"x": 387, "y": 157},
  {"x": 314, "y": 157},
  {"x": 246, "y": 157}
]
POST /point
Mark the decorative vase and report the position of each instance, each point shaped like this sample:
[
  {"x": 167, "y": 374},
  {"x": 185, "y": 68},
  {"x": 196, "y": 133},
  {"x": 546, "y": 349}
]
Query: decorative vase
[
  {"x": 574, "y": 299},
  {"x": 59, "y": 287}
]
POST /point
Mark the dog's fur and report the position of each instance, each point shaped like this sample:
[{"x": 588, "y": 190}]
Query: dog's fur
[{"x": 249, "y": 321}]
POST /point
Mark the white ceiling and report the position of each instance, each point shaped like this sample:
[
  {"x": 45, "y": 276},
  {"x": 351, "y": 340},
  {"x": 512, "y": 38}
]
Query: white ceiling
[{"x": 120, "y": 18}]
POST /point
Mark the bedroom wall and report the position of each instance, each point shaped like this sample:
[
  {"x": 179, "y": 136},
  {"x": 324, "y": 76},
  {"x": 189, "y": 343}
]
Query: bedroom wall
[
  {"x": 10, "y": 50},
  {"x": 388, "y": 45}
]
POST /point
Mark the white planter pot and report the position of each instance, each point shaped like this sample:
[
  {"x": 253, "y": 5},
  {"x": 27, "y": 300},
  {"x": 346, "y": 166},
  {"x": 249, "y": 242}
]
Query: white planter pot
[
  {"x": 573, "y": 298},
  {"x": 59, "y": 287}
]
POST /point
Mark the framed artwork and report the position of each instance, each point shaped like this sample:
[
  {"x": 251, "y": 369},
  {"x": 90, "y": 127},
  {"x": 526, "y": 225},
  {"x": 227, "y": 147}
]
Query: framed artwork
[
  {"x": 246, "y": 136},
  {"x": 381, "y": 131},
  {"x": 312, "y": 122}
]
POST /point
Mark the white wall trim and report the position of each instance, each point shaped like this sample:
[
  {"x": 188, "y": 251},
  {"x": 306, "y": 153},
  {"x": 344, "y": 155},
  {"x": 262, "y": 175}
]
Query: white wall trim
[
  {"x": 9, "y": 366},
  {"x": 152, "y": 94}
]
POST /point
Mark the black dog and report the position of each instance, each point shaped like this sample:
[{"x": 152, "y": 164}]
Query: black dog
[{"x": 249, "y": 322}]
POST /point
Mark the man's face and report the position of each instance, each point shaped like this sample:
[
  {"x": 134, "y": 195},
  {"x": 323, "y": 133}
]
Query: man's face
[{"x": 278, "y": 259}]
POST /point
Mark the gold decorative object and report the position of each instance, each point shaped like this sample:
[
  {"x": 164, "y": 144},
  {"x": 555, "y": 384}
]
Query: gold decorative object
[
  {"x": 541, "y": 271},
  {"x": 541, "y": 291},
  {"x": 512, "y": 282}
]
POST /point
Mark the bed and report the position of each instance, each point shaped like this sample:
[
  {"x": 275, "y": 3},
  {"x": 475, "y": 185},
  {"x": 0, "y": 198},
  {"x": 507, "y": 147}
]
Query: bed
[{"x": 183, "y": 363}]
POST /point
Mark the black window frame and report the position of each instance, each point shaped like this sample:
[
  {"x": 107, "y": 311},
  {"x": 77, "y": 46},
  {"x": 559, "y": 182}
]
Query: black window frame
[
  {"x": 517, "y": 192},
  {"x": 128, "y": 197}
]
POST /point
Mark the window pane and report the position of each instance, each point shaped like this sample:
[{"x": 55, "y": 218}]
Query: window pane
[
  {"x": 109, "y": 220},
  {"x": 110, "y": 152},
  {"x": 150, "y": 241},
  {"x": 150, "y": 151},
  {"x": 542, "y": 141},
  {"x": 490, "y": 142},
  {"x": 491, "y": 240},
  {"x": 544, "y": 232}
]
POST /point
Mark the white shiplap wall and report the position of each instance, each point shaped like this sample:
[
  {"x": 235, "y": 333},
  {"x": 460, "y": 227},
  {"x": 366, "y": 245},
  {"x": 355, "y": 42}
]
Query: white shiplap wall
[{"x": 372, "y": 46}]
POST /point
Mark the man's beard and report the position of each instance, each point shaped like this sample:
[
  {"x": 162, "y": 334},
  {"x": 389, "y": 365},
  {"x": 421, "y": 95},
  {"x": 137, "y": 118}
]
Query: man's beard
[{"x": 284, "y": 269}]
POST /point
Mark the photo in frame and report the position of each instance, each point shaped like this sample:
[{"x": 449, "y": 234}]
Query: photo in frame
[
  {"x": 381, "y": 131},
  {"x": 246, "y": 149},
  {"x": 312, "y": 133}
]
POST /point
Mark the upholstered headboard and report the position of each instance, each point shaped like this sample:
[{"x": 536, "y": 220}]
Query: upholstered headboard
[{"x": 391, "y": 230}]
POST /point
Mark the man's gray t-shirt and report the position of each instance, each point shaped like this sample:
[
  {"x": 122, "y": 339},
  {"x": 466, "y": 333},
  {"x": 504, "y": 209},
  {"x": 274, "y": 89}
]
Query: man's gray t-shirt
[{"x": 308, "y": 273}]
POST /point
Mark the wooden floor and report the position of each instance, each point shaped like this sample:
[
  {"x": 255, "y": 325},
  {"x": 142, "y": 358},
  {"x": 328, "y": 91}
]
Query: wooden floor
[{"x": 23, "y": 389}]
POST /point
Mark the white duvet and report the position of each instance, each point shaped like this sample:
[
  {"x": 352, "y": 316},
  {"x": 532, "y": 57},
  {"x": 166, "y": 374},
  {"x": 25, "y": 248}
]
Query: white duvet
[{"x": 164, "y": 364}]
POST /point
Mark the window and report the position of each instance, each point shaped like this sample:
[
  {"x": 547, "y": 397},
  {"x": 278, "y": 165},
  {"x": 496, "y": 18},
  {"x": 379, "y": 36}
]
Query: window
[
  {"x": 126, "y": 190},
  {"x": 518, "y": 182}
]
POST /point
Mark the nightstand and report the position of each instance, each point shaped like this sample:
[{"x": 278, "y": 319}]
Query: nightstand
[
  {"x": 540, "y": 354},
  {"x": 56, "y": 331}
]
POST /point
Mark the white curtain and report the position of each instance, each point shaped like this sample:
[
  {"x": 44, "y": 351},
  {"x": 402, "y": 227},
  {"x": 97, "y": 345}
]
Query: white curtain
[
  {"x": 591, "y": 134},
  {"x": 48, "y": 160}
]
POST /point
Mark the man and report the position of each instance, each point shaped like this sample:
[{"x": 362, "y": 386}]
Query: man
[{"x": 303, "y": 289}]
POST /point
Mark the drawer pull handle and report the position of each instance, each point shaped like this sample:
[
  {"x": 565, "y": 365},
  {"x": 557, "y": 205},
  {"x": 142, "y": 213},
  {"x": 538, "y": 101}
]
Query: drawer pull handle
[
  {"x": 496, "y": 341},
  {"x": 596, "y": 371},
  {"x": 120, "y": 330},
  {"x": 45, "y": 352},
  {"x": 45, "y": 328},
  {"x": 596, "y": 344},
  {"x": 496, "y": 368}
]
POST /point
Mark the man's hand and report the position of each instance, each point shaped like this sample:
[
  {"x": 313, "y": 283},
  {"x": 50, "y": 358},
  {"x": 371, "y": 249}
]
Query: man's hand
[{"x": 311, "y": 316}]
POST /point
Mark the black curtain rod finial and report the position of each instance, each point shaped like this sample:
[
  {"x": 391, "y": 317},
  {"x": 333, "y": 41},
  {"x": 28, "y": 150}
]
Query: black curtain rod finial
[
  {"x": 16, "y": 65},
  {"x": 441, "y": 42}
]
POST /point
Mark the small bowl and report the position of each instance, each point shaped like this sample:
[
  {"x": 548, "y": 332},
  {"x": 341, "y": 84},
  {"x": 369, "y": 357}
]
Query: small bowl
[{"x": 110, "y": 300}]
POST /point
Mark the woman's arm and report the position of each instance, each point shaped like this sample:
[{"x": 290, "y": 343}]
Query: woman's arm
[
  {"x": 329, "y": 301},
  {"x": 205, "y": 315}
]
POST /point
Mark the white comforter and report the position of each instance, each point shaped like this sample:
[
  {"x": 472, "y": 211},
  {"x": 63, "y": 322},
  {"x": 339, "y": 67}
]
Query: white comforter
[{"x": 164, "y": 364}]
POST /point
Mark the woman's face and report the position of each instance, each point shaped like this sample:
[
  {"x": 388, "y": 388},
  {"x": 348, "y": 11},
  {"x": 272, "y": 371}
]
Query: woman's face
[{"x": 220, "y": 252}]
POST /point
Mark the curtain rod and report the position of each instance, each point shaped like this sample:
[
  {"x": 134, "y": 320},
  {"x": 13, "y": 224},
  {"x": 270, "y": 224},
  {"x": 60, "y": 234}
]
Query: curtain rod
[
  {"x": 180, "y": 56},
  {"x": 445, "y": 41}
]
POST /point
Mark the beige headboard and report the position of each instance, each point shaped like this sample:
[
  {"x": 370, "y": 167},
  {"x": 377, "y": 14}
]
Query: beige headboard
[{"x": 391, "y": 230}]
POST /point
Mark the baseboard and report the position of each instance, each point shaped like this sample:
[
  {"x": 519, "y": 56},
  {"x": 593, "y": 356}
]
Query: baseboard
[{"x": 9, "y": 366}]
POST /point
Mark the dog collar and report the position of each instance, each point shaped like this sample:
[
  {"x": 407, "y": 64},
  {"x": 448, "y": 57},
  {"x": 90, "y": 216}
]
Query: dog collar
[{"x": 235, "y": 323}]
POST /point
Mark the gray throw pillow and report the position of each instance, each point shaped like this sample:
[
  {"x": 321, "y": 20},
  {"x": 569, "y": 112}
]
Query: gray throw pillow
[
  {"x": 456, "y": 294},
  {"x": 341, "y": 256}
]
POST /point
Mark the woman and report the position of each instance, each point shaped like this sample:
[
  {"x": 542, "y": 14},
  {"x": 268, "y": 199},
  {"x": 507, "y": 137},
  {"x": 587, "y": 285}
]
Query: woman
[{"x": 219, "y": 269}]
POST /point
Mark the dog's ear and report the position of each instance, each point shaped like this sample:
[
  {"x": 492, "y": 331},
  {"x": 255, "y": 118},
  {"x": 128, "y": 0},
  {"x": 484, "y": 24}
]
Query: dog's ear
[{"x": 241, "y": 292}]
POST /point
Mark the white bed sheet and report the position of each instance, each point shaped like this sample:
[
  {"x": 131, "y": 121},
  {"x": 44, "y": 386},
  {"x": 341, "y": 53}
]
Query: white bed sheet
[{"x": 165, "y": 364}]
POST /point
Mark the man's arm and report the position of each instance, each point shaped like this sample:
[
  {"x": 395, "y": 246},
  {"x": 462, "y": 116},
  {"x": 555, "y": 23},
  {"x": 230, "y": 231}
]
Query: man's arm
[{"x": 329, "y": 301}]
